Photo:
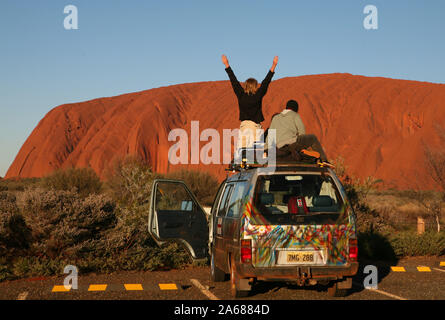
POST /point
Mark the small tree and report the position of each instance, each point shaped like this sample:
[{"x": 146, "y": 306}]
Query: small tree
[
  {"x": 435, "y": 164},
  {"x": 432, "y": 201},
  {"x": 130, "y": 183}
]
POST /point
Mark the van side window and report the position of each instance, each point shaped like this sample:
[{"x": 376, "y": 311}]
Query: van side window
[
  {"x": 237, "y": 199},
  {"x": 173, "y": 197},
  {"x": 217, "y": 199},
  {"x": 223, "y": 204}
]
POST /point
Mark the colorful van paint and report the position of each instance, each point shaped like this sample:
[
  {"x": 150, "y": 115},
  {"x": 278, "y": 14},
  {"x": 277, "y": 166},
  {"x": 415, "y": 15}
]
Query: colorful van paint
[{"x": 330, "y": 241}]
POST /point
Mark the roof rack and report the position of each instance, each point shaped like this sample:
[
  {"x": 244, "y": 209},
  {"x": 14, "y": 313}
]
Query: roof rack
[
  {"x": 247, "y": 166},
  {"x": 244, "y": 164}
]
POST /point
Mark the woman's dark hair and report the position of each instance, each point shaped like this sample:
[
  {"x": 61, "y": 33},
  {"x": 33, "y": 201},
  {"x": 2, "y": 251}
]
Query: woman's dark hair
[{"x": 292, "y": 105}]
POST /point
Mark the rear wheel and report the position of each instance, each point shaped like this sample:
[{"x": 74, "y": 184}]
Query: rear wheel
[
  {"x": 334, "y": 291},
  {"x": 216, "y": 274},
  {"x": 234, "y": 282}
]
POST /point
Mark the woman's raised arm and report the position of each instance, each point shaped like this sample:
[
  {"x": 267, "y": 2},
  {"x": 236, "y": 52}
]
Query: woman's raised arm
[
  {"x": 237, "y": 88},
  {"x": 274, "y": 64},
  {"x": 225, "y": 61}
]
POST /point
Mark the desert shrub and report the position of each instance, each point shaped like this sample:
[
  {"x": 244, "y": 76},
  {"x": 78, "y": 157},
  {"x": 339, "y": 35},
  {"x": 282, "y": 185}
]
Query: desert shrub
[
  {"x": 14, "y": 233},
  {"x": 373, "y": 221},
  {"x": 15, "y": 236},
  {"x": 31, "y": 266},
  {"x": 83, "y": 180},
  {"x": 203, "y": 185},
  {"x": 130, "y": 186},
  {"x": 171, "y": 256},
  {"x": 129, "y": 242},
  {"x": 19, "y": 184},
  {"x": 388, "y": 247},
  {"x": 357, "y": 190},
  {"x": 8, "y": 202},
  {"x": 63, "y": 223},
  {"x": 5, "y": 269},
  {"x": 409, "y": 243},
  {"x": 130, "y": 180},
  {"x": 96, "y": 232}
]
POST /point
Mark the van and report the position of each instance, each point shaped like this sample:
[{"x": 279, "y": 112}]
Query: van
[{"x": 293, "y": 223}]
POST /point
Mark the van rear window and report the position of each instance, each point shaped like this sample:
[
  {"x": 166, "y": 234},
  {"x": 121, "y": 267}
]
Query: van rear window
[{"x": 298, "y": 199}]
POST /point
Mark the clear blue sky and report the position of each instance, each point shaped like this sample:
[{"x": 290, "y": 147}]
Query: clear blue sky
[{"x": 127, "y": 46}]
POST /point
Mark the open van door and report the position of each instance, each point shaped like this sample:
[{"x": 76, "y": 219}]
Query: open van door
[{"x": 176, "y": 215}]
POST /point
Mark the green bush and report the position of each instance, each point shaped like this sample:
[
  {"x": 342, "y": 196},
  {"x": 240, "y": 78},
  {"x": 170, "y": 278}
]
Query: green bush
[
  {"x": 83, "y": 180},
  {"x": 408, "y": 243}
]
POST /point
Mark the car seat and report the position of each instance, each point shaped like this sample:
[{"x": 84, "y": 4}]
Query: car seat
[
  {"x": 297, "y": 205},
  {"x": 267, "y": 198}
]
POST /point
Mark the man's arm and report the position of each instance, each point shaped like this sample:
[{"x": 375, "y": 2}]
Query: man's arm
[{"x": 237, "y": 88}]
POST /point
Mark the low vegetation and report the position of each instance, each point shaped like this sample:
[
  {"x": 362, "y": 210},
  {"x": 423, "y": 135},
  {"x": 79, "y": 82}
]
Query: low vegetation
[
  {"x": 72, "y": 217},
  {"x": 387, "y": 219}
]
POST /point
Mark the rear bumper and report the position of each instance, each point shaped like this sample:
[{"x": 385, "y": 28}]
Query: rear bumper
[{"x": 298, "y": 272}]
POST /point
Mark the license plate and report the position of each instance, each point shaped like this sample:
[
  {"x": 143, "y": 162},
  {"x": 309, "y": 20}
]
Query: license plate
[
  {"x": 294, "y": 257},
  {"x": 300, "y": 257}
]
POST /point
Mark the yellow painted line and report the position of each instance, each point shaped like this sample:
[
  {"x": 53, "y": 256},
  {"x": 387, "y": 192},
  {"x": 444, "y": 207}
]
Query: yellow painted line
[
  {"x": 442, "y": 264},
  {"x": 168, "y": 286},
  {"x": 97, "y": 287},
  {"x": 133, "y": 287},
  {"x": 398, "y": 269},
  {"x": 424, "y": 269},
  {"x": 61, "y": 289}
]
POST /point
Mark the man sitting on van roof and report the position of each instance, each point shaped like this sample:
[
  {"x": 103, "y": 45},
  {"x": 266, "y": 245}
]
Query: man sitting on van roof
[{"x": 291, "y": 134}]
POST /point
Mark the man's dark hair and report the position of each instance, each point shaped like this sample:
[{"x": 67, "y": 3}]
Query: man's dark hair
[{"x": 292, "y": 105}]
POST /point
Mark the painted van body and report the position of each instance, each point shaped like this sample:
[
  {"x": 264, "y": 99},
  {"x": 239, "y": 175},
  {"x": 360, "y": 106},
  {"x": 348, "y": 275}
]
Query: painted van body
[{"x": 293, "y": 223}]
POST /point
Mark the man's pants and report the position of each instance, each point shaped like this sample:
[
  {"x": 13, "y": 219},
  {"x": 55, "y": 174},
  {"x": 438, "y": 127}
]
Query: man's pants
[{"x": 305, "y": 141}]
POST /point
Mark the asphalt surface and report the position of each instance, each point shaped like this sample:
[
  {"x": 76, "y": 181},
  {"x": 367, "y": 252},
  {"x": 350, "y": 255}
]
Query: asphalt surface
[{"x": 194, "y": 284}]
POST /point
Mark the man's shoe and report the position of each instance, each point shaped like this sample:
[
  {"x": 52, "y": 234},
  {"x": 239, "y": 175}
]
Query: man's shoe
[{"x": 310, "y": 153}]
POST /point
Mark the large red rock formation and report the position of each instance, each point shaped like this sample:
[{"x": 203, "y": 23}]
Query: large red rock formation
[{"x": 378, "y": 125}]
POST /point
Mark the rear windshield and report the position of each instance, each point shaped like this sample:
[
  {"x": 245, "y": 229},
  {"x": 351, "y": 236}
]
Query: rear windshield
[{"x": 298, "y": 199}]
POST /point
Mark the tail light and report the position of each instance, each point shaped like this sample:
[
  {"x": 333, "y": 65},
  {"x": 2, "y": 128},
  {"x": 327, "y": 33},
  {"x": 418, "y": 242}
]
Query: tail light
[
  {"x": 353, "y": 250},
  {"x": 246, "y": 251}
]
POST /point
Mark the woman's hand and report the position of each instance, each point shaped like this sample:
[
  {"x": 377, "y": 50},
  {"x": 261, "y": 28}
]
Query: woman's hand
[
  {"x": 274, "y": 64},
  {"x": 225, "y": 61}
]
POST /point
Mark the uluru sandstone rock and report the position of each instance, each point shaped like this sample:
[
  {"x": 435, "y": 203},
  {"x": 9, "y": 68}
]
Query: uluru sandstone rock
[{"x": 378, "y": 125}]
